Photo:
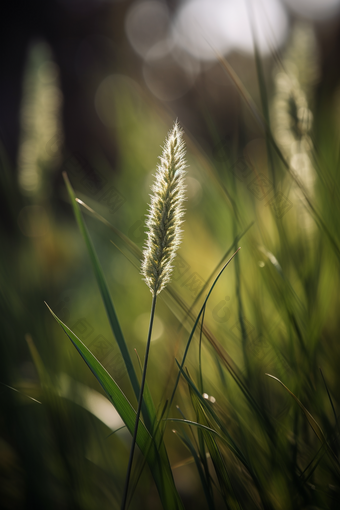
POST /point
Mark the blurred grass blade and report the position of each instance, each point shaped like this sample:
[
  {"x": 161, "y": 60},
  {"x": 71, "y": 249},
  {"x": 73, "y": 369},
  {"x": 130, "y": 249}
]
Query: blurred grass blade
[
  {"x": 330, "y": 399},
  {"x": 263, "y": 90},
  {"x": 42, "y": 373},
  {"x": 242, "y": 90},
  {"x": 117, "y": 430},
  {"x": 131, "y": 245},
  {"x": 312, "y": 422},
  {"x": 157, "y": 460},
  {"x": 20, "y": 393},
  {"x": 313, "y": 464}
]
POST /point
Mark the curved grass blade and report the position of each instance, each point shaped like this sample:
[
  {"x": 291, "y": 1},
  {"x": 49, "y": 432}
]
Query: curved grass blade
[
  {"x": 205, "y": 428},
  {"x": 112, "y": 390},
  {"x": 208, "y": 410},
  {"x": 131, "y": 245},
  {"x": 215, "y": 455},
  {"x": 157, "y": 459},
  {"x": 312, "y": 422},
  {"x": 117, "y": 430}
]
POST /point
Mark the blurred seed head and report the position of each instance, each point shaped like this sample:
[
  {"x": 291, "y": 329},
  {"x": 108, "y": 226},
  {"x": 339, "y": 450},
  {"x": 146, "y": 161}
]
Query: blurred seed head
[
  {"x": 292, "y": 117},
  {"x": 41, "y": 132}
]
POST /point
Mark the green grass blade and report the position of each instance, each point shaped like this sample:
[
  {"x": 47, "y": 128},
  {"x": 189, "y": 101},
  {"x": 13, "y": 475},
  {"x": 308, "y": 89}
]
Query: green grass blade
[
  {"x": 157, "y": 459},
  {"x": 112, "y": 390}
]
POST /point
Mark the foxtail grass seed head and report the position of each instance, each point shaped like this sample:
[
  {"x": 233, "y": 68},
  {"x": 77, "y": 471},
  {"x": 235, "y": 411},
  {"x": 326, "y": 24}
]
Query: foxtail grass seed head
[
  {"x": 165, "y": 213},
  {"x": 292, "y": 119},
  {"x": 292, "y": 116}
]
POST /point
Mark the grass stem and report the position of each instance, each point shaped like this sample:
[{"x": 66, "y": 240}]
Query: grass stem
[{"x": 140, "y": 400}]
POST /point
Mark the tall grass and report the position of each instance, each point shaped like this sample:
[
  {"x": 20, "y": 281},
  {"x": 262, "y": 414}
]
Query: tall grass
[{"x": 240, "y": 407}]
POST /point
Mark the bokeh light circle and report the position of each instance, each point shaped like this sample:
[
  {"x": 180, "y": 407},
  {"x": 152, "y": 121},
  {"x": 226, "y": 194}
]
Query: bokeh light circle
[
  {"x": 199, "y": 28},
  {"x": 164, "y": 76},
  {"x": 204, "y": 27},
  {"x": 146, "y": 24},
  {"x": 270, "y": 24}
]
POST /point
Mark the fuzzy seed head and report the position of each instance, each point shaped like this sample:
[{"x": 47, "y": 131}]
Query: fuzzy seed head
[
  {"x": 292, "y": 118},
  {"x": 165, "y": 214}
]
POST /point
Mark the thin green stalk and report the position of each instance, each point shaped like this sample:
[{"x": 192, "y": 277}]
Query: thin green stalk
[{"x": 140, "y": 400}]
